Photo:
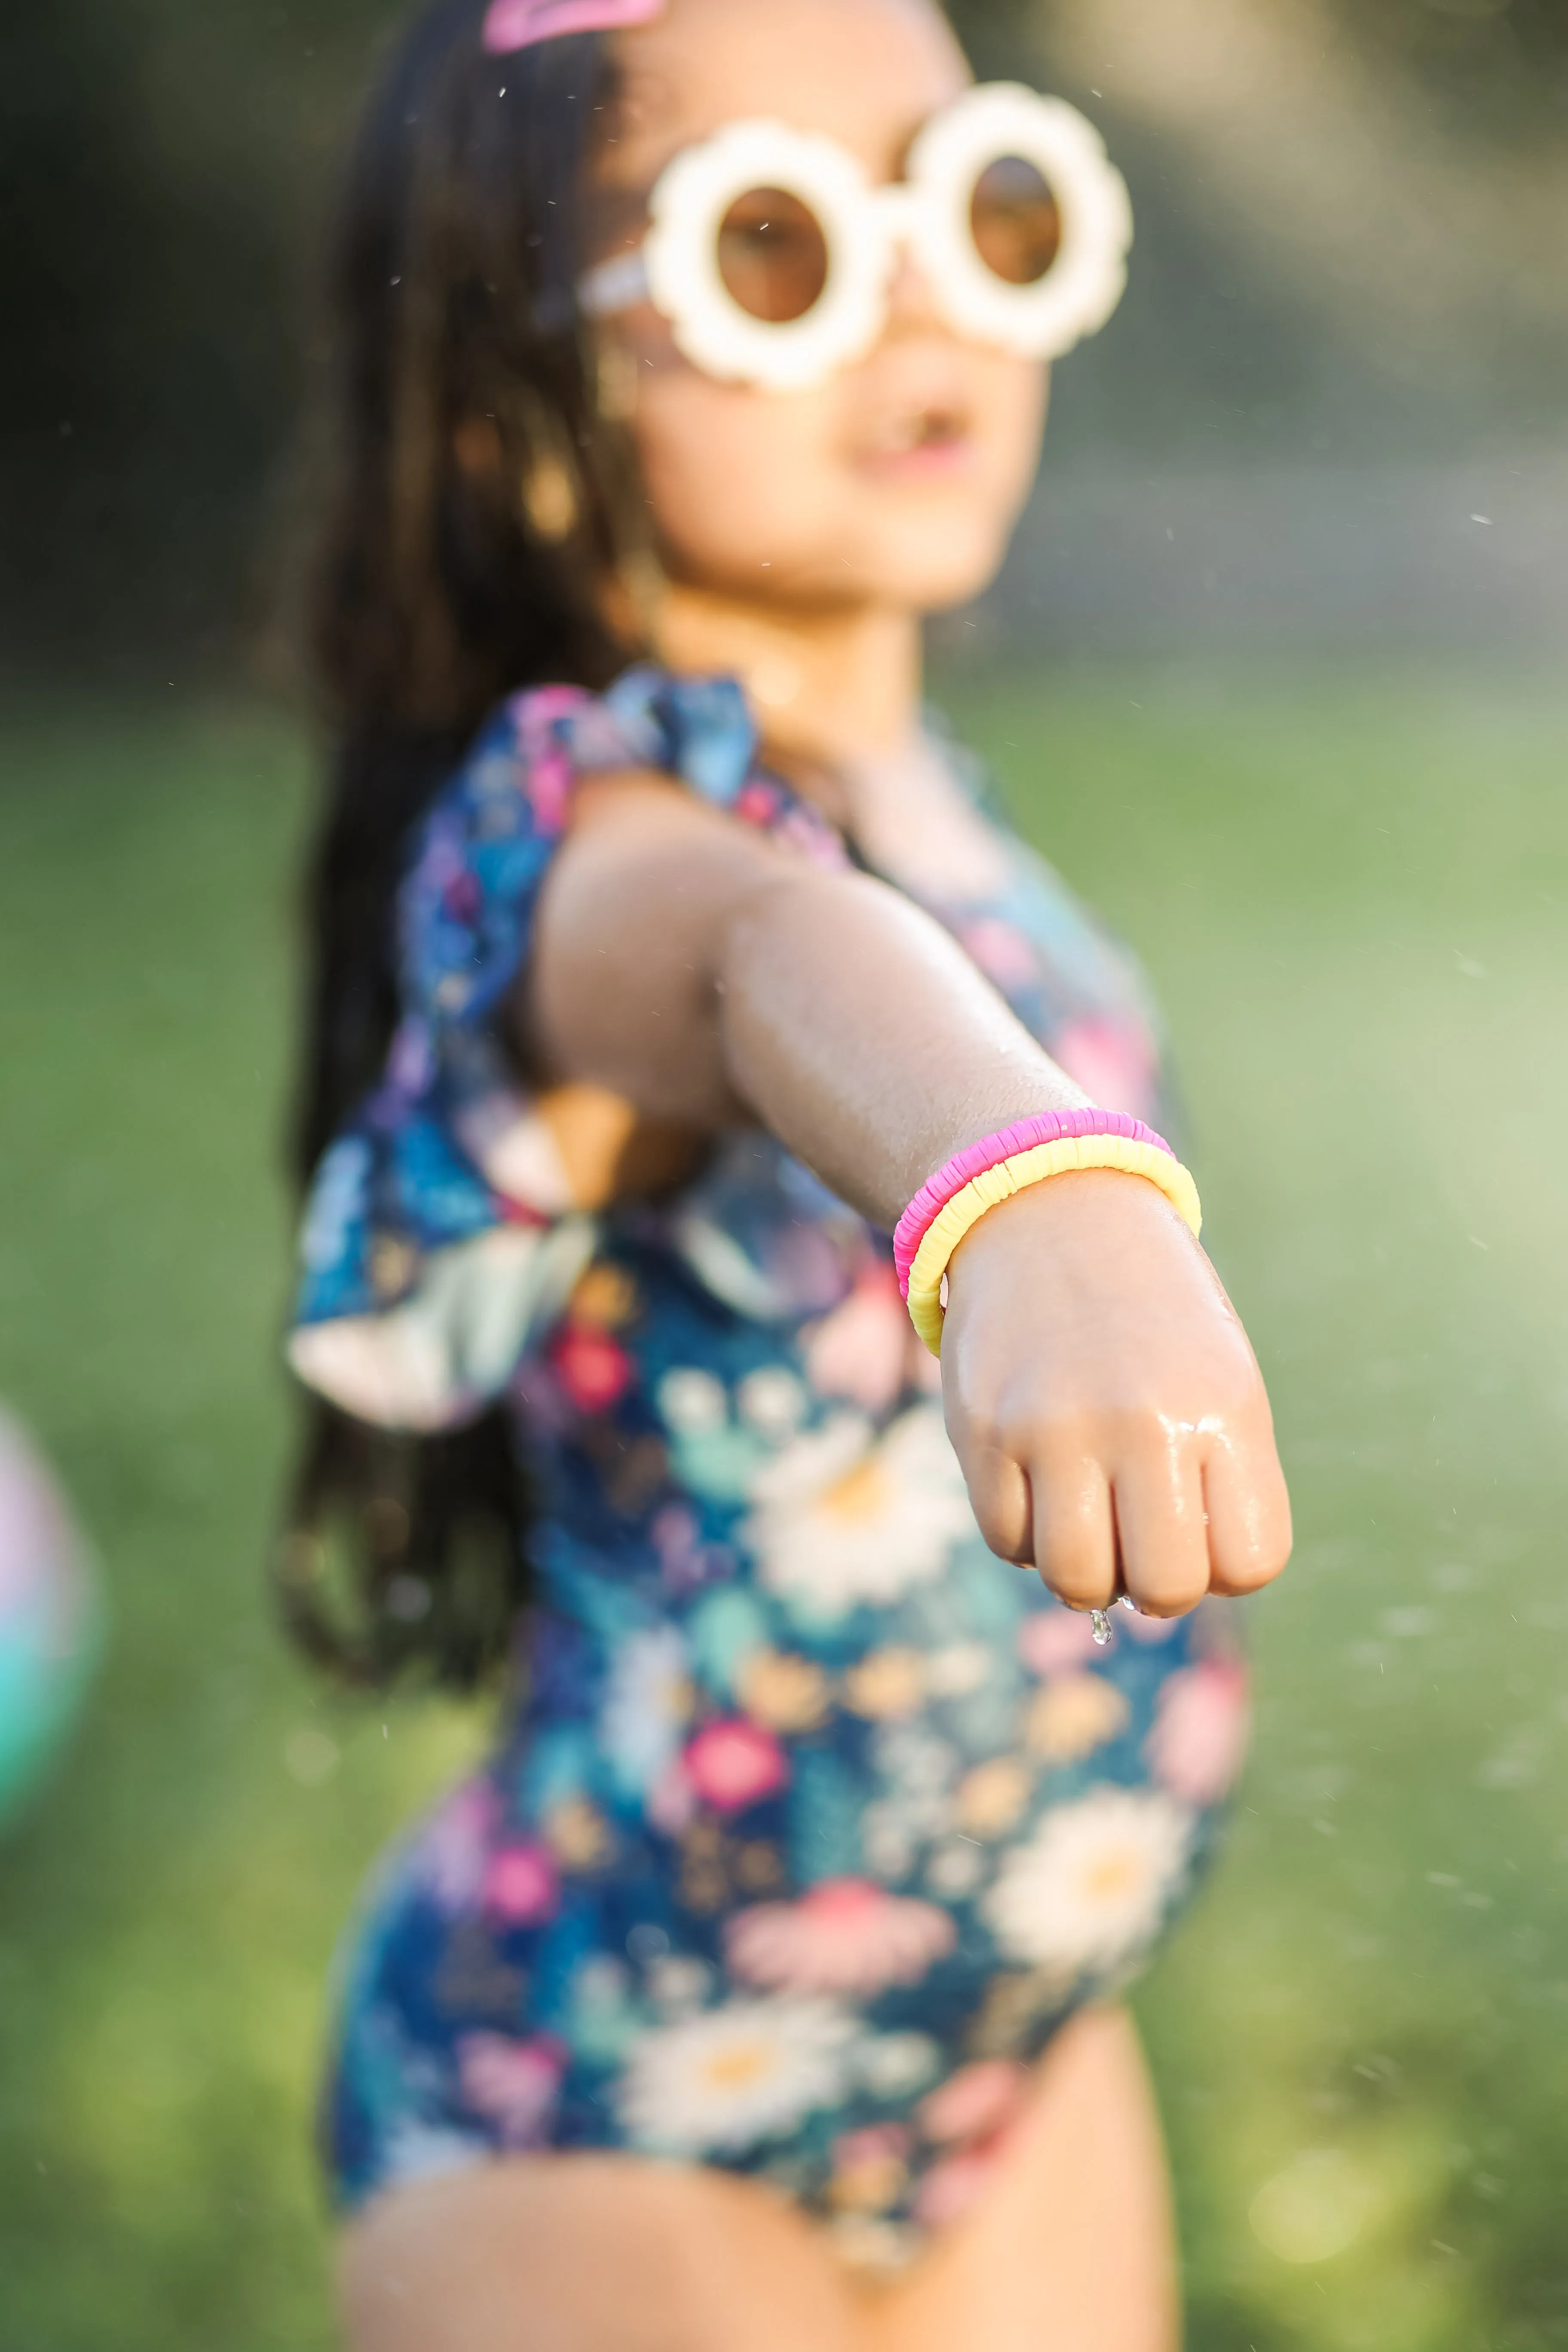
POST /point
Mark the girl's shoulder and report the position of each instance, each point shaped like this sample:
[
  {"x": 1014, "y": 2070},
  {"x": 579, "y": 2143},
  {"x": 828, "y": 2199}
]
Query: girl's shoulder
[
  {"x": 517, "y": 775},
  {"x": 479, "y": 856}
]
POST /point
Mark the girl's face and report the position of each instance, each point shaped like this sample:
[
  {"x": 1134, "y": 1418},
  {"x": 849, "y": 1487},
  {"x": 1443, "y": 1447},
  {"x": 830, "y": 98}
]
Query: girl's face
[{"x": 899, "y": 481}]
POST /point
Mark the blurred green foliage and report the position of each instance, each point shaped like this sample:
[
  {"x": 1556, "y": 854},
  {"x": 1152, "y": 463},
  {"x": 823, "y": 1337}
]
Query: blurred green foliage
[{"x": 1354, "y": 900}]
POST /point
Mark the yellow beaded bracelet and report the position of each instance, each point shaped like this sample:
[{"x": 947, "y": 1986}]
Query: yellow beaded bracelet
[{"x": 996, "y": 1184}]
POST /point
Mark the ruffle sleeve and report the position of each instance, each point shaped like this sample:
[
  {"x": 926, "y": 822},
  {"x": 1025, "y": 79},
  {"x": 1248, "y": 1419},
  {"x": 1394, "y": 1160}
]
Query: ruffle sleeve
[{"x": 441, "y": 1230}]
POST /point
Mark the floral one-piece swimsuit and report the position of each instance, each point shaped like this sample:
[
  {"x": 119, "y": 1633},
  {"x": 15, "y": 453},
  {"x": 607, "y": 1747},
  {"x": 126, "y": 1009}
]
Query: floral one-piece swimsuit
[{"x": 814, "y": 1820}]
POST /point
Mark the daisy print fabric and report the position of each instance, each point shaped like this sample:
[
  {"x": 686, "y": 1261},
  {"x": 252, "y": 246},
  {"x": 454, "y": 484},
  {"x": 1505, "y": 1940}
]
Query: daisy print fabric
[{"x": 814, "y": 1820}]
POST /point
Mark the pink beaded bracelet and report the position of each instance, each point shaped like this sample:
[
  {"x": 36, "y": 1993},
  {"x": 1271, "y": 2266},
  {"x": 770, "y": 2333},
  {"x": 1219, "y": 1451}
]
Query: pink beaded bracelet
[
  {"x": 995, "y": 1169},
  {"x": 1045, "y": 1127}
]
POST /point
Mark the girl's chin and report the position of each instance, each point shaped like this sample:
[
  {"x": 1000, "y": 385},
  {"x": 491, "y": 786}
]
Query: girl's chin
[
  {"x": 928, "y": 572},
  {"x": 933, "y": 529},
  {"x": 924, "y": 561}
]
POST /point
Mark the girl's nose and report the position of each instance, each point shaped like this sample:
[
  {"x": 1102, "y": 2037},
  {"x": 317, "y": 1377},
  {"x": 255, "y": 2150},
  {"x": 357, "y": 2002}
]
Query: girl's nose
[{"x": 911, "y": 299}]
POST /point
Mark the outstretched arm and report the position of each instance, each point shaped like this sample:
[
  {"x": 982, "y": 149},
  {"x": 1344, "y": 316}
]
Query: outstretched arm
[{"x": 1101, "y": 1393}]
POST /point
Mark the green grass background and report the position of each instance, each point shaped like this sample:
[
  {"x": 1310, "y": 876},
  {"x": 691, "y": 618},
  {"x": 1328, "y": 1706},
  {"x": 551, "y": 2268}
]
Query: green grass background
[{"x": 1353, "y": 898}]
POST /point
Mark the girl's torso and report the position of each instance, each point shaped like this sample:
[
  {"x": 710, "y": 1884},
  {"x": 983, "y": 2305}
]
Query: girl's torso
[{"x": 816, "y": 1818}]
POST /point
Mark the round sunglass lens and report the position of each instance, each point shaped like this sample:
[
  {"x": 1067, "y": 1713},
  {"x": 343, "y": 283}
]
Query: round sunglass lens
[
  {"x": 1016, "y": 221},
  {"x": 773, "y": 256}
]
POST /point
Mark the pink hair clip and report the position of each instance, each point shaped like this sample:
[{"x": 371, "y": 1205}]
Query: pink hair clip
[{"x": 519, "y": 24}]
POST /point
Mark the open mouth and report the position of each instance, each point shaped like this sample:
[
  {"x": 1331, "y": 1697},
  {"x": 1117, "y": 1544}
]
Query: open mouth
[{"x": 923, "y": 440}]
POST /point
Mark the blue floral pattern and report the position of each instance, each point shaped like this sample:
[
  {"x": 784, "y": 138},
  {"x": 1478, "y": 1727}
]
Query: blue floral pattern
[{"x": 817, "y": 1818}]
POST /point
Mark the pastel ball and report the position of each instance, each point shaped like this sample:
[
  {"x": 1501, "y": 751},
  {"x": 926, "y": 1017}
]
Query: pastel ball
[{"x": 50, "y": 1621}]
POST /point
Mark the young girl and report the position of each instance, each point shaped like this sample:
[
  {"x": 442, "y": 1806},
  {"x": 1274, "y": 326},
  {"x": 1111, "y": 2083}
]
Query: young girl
[{"x": 757, "y": 1993}]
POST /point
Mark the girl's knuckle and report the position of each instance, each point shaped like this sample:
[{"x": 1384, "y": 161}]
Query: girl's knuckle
[
  {"x": 1075, "y": 1575},
  {"x": 1001, "y": 1535},
  {"x": 1170, "y": 1598}
]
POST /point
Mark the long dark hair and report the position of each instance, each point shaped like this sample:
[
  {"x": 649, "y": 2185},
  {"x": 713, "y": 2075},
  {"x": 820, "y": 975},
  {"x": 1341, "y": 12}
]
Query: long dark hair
[{"x": 479, "y": 500}]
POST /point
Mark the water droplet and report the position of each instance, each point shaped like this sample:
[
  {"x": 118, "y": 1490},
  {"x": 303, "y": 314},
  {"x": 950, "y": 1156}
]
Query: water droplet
[{"x": 1101, "y": 1625}]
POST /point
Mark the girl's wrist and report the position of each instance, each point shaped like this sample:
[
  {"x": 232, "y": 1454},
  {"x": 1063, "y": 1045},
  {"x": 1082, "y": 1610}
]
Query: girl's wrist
[{"x": 1018, "y": 1157}]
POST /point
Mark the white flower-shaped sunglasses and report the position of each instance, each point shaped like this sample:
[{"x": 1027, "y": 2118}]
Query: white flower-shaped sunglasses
[{"x": 771, "y": 253}]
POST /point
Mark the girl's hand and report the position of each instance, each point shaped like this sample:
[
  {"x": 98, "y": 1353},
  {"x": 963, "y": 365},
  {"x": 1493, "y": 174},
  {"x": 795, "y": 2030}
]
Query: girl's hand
[{"x": 1103, "y": 1400}]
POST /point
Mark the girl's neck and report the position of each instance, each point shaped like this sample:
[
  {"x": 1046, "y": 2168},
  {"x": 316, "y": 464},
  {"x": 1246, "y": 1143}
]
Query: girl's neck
[
  {"x": 830, "y": 688},
  {"x": 838, "y": 696}
]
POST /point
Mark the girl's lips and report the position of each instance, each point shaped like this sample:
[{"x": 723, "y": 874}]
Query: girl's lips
[{"x": 926, "y": 449}]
